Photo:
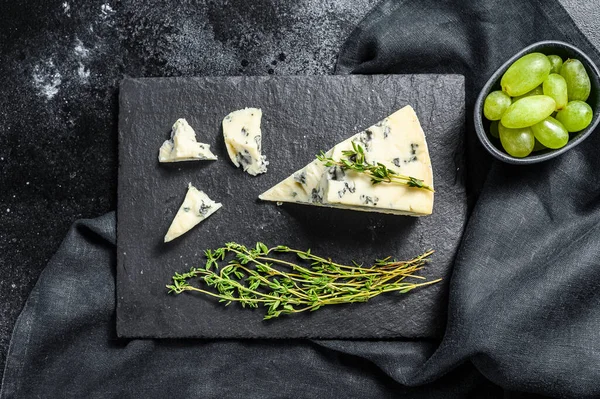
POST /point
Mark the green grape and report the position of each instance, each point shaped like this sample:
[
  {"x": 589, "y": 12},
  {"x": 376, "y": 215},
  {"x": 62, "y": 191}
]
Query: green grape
[
  {"x": 538, "y": 147},
  {"x": 516, "y": 142},
  {"x": 555, "y": 86},
  {"x": 535, "y": 92},
  {"x": 494, "y": 129},
  {"x": 556, "y": 63},
  {"x": 525, "y": 74},
  {"x": 550, "y": 133},
  {"x": 495, "y": 104},
  {"x": 578, "y": 81},
  {"x": 528, "y": 111},
  {"x": 576, "y": 116}
]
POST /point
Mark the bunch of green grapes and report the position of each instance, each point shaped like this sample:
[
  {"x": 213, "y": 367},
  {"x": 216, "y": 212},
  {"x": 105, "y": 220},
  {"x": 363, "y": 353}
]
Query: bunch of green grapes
[{"x": 542, "y": 100}]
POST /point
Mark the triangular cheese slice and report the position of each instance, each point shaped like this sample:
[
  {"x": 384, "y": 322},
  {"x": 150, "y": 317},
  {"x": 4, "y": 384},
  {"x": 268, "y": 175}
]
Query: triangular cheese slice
[
  {"x": 182, "y": 146},
  {"x": 195, "y": 208},
  {"x": 243, "y": 137},
  {"x": 398, "y": 142}
]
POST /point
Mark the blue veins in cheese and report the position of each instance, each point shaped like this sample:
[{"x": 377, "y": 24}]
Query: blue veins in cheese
[
  {"x": 196, "y": 207},
  {"x": 243, "y": 137},
  {"x": 398, "y": 142},
  {"x": 182, "y": 146}
]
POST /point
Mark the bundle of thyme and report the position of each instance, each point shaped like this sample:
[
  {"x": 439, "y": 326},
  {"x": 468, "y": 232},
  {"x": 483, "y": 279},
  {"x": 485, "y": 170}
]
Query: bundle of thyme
[
  {"x": 265, "y": 276},
  {"x": 355, "y": 160}
]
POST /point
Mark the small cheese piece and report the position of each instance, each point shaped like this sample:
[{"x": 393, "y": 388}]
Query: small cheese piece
[
  {"x": 398, "y": 142},
  {"x": 182, "y": 146},
  {"x": 195, "y": 208},
  {"x": 243, "y": 137}
]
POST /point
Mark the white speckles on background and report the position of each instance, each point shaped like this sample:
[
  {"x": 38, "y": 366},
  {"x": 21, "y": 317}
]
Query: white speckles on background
[
  {"x": 106, "y": 11},
  {"x": 316, "y": 48},
  {"x": 66, "y": 9},
  {"x": 193, "y": 45},
  {"x": 80, "y": 50},
  {"x": 46, "y": 79},
  {"x": 296, "y": 38},
  {"x": 81, "y": 53},
  {"x": 287, "y": 39},
  {"x": 83, "y": 73}
]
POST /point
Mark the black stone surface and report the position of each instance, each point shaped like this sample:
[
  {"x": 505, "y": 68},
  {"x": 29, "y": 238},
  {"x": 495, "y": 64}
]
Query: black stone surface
[
  {"x": 58, "y": 125},
  {"x": 301, "y": 116}
]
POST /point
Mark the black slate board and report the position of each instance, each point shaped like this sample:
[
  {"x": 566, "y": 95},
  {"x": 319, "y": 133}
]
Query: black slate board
[{"x": 301, "y": 115}]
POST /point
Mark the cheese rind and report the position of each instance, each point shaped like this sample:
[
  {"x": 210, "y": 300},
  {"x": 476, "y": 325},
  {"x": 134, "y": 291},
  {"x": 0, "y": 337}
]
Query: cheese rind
[
  {"x": 182, "y": 146},
  {"x": 196, "y": 207},
  {"x": 398, "y": 142},
  {"x": 243, "y": 138}
]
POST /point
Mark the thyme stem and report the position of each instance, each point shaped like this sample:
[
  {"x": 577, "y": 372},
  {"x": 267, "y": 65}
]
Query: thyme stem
[
  {"x": 379, "y": 173},
  {"x": 250, "y": 278}
]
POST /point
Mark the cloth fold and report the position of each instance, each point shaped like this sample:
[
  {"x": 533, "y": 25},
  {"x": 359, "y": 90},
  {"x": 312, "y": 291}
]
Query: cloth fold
[{"x": 524, "y": 305}]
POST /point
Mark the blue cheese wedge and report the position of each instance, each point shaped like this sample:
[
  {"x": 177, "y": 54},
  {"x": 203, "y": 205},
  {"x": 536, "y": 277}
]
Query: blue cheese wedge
[
  {"x": 243, "y": 137},
  {"x": 195, "y": 208},
  {"x": 182, "y": 146},
  {"x": 398, "y": 142}
]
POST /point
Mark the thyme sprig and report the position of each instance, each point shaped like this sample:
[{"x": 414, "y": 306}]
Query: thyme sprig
[
  {"x": 265, "y": 276},
  {"x": 355, "y": 160}
]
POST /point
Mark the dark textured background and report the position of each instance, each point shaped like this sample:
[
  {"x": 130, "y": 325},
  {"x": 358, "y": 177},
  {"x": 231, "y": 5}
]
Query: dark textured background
[
  {"x": 301, "y": 116},
  {"x": 60, "y": 63}
]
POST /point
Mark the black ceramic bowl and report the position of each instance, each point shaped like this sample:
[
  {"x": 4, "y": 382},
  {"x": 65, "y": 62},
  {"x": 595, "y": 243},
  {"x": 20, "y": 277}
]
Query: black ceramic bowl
[{"x": 564, "y": 50}]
